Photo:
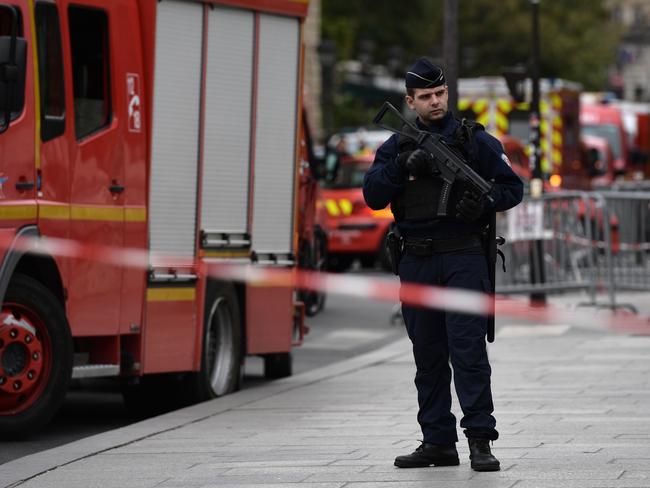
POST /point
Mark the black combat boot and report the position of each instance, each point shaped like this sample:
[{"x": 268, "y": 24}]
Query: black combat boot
[
  {"x": 481, "y": 457},
  {"x": 429, "y": 454}
]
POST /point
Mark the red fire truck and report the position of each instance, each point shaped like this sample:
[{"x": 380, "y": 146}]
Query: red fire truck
[
  {"x": 489, "y": 101},
  {"x": 165, "y": 126},
  {"x": 354, "y": 231},
  {"x": 606, "y": 121}
]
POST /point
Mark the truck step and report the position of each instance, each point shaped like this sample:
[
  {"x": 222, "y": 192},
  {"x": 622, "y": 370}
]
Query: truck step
[{"x": 95, "y": 370}]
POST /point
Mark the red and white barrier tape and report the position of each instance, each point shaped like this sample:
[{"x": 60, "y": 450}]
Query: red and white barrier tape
[{"x": 377, "y": 288}]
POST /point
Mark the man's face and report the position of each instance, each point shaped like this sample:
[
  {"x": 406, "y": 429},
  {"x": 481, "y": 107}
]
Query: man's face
[{"x": 429, "y": 103}]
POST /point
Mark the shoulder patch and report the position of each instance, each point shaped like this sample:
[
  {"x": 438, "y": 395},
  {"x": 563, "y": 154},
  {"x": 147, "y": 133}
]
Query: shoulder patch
[{"x": 505, "y": 159}]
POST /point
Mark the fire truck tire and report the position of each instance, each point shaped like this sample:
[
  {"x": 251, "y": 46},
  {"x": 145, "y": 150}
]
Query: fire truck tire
[
  {"x": 221, "y": 357},
  {"x": 316, "y": 261},
  {"x": 278, "y": 365},
  {"x": 36, "y": 346}
]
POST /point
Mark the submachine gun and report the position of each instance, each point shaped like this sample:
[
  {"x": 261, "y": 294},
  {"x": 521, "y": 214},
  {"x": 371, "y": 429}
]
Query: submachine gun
[
  {"x": 449, "y": 163},
  {"x": 451, "y": 166}
]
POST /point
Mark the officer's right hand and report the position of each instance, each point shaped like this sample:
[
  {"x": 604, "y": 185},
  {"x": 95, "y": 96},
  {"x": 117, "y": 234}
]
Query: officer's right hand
[
  {"x": 402, "y": 157},
  {"x": 420, "y": 163}
]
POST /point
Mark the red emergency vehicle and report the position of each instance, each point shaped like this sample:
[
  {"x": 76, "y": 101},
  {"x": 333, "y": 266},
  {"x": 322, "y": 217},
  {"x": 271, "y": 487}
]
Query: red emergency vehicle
[
  {"x": 598, "y": 161},
  {"x": 606, "y": 121},
  {"x": 166, "y": 126},
  {"x": 489, "y": 101},
  {"x": 354, "y": 230}
]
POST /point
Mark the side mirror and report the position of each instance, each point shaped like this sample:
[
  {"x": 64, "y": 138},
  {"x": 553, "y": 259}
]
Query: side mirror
[{"x": 331, "y": 165}]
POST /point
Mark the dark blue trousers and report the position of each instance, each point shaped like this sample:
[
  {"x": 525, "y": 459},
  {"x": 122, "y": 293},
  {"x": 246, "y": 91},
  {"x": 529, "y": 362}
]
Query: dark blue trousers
[{"x": 441, "y": 337}]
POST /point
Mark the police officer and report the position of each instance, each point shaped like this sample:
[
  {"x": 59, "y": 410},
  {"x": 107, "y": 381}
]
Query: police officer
[{"x": 444, "y": 251}]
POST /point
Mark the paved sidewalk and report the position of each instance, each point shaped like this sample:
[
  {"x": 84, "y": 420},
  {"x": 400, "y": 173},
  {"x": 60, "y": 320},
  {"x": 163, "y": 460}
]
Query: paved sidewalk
[{"x": 572, "y": 405}]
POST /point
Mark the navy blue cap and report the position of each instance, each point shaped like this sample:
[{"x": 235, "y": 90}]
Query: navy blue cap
[{"x": 424, "y": 74}]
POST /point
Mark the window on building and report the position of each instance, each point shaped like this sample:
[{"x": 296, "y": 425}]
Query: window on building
[
  {"x": 639, "y": 14},
  {"x": 90, "y": 69},
  {"x": 50, "y": 71}
]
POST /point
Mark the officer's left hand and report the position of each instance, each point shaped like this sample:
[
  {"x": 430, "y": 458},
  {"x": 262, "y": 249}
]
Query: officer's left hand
[{"x": 470, "y": 207}]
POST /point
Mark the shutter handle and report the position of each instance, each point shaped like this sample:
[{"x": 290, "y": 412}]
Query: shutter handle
[{"x": 115, "y": 188}]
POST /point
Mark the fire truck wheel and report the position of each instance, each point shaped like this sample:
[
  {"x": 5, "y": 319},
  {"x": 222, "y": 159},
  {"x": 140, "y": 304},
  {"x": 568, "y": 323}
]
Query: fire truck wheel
[
  {"x": 314, "y": 257},
  {"x": 222, "y": 345},
  {"x": 35, "y": 357},
  {"x": 278, "y": 365}
]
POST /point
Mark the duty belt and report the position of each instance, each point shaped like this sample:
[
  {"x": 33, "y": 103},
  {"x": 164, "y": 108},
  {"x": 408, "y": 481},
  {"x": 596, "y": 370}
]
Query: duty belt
[{"x": 427, "y": 247}]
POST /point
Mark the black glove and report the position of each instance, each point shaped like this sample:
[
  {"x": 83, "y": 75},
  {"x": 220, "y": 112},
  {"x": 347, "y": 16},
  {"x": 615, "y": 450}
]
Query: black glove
[
  {"x": 470, "y": 207},
  {"x": 420, "y": 163},
  {"x": 402, "y": 157}
]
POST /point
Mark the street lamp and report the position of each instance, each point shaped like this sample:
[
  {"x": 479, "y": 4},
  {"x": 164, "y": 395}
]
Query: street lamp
[{"x": 536, "y": 183}]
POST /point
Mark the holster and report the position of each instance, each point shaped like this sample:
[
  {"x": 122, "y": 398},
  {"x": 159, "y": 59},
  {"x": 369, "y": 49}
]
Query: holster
[
  {"x": 395, "y": 248},
  {"x": 490, "y": 242}
]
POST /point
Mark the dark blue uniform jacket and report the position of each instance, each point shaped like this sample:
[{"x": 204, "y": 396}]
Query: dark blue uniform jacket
[{"x": 385, "y": 179}]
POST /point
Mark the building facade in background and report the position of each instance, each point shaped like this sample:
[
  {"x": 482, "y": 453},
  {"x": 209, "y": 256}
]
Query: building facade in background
[
  {"x": 630, "y": 76},
  {"x": 312, "y": 82}
]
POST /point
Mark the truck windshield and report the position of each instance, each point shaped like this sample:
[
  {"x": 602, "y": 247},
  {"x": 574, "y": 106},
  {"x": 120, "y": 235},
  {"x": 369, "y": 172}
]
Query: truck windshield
[
  {"x": 350, "y": 175},
  {"x": 606, "y": 131}
]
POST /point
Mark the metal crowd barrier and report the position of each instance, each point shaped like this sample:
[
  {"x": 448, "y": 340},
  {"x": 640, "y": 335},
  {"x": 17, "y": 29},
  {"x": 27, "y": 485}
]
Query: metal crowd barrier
[
  {"x": 628, "y": 266},
  {"x": 627, "y": 185},
  {"x": 588, "y": 241},
  {"x": 558, "y": 226}
]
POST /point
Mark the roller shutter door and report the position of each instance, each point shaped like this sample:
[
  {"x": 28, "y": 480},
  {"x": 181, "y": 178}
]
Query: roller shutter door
[
  {"x": 228, "y": 98},
  {"x": 275, "y": 135},
  {"x": 176, "y": 110}
]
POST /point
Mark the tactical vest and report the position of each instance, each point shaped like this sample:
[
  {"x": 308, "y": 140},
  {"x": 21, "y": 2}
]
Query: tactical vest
[{"x": 419, "y": 198}]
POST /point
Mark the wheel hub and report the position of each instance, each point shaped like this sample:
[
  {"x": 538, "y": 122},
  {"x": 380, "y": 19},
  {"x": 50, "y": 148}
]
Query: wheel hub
[{"x": 21, "y": 354}]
